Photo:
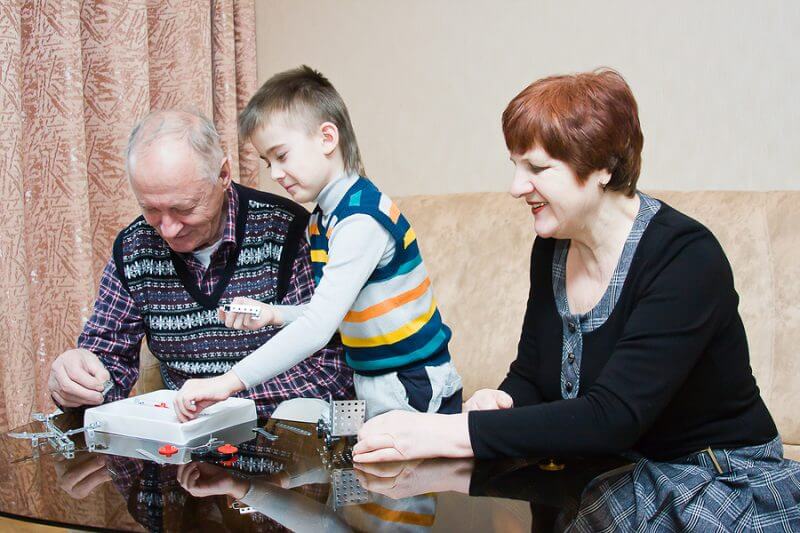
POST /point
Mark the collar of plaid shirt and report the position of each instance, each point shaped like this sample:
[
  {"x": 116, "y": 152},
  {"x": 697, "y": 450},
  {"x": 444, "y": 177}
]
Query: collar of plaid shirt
[{"x": 207, "y": 277}]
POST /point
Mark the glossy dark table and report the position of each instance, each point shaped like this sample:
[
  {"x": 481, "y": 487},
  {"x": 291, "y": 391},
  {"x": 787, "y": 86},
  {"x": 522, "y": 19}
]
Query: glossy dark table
[{"x": 294, "y": 483}]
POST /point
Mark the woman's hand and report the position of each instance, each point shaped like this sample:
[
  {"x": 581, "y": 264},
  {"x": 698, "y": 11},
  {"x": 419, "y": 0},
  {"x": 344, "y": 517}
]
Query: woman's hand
[
  {"x": 403, "y": 436},
  {"x": 488, "y": 400},
  {"x": 245, "y": 321},
  {"x": 402, "y": 480},
  {"x": 197, "y": 394}
]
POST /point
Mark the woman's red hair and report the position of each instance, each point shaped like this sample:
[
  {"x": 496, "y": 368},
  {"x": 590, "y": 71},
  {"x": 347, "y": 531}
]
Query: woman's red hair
[{"x": 588, "y": 120}]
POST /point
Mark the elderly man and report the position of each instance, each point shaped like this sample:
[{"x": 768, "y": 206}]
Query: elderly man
[{"x": 202, "y": 241}]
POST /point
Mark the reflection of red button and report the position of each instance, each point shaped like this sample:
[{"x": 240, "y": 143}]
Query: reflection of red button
[
  {"x": 227, "y": 449},
  {"x": 229, "y": 462},
  {"x": 168, "y": 450},
  {"x": 162, "y": 404}
]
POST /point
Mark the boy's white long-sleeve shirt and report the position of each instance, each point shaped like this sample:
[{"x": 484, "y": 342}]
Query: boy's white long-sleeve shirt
[
  {"x": 291, "y": 509},
  {"x": 357, "y": 246}
]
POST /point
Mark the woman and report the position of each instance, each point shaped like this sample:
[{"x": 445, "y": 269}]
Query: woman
[{"x": 632, "y": 341}]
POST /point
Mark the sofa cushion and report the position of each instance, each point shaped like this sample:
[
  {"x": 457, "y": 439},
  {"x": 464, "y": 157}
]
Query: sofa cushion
[{"x": 791, "y": 451}]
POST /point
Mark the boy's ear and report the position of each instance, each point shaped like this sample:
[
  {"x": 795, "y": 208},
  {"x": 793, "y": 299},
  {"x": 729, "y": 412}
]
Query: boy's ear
[{"x": 330, "y": 137}]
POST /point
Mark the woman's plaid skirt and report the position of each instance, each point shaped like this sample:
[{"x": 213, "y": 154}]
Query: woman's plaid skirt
[{"x": 741, "y": 489}]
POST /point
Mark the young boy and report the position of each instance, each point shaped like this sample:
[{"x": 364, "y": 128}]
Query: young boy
[{"x": 371, "y": 282}]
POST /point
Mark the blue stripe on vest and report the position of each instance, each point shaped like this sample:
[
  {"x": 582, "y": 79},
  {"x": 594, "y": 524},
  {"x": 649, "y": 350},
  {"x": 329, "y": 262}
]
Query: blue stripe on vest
[{"x": 433, "y": 347}]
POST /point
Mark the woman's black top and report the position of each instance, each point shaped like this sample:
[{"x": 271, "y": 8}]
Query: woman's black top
[{"x": 666, "y": 375}]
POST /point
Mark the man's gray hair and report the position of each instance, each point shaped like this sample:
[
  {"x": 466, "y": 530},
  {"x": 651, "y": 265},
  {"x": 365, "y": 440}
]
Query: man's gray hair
[{"x": 188, "y": 125}]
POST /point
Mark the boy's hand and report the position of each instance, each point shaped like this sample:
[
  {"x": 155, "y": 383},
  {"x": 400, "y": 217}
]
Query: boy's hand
[
  {"x": 197, "y": 394},
  {"x": 244, "y": 321},
  {"x": 202, "y": 480}
]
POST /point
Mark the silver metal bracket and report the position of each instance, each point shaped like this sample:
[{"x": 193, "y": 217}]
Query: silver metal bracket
[
  {"x": 293, "y": 429},
  {"x": 266, "y": 434},
  {"x": 242, "y": 508},
  {"x": 346, "y": 488},
  {"x": 344, "y": 419},
  {"x": 247, "y": 309},
  {"x": 58, "y": 440},
  {"x": 347, "y": 417}
]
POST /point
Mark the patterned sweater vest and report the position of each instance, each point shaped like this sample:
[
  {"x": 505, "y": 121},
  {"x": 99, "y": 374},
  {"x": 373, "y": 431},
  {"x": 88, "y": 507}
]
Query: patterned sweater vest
[
  {"x": 182, "y": 327},
  {"x": 394, "y": 322}
]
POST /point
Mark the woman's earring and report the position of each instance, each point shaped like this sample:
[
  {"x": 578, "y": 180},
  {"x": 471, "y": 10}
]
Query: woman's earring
[{"x": 602, "y": 185}]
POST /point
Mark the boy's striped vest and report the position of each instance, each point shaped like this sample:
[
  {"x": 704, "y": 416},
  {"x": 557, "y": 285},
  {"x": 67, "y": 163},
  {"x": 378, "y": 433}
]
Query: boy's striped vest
[{"x": 394, "y": 322}]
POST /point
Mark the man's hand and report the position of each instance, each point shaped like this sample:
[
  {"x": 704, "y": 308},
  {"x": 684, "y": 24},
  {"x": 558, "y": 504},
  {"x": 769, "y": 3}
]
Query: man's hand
[
  {"x": 488, "y": 400},
  {"x": 76, "y": 378},
  {"x": 247, "y": 322},
  {"x": 80, "y": 476},
  {"x": 197, "y": 394},
  {"x": 403, "y": 436}
]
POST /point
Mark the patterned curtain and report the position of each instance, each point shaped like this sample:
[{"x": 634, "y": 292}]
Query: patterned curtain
[{"x": 75, "y": 76}]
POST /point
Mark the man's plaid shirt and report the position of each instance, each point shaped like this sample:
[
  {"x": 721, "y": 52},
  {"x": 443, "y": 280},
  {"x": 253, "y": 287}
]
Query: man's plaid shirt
[{"x": 118, "y": 347}]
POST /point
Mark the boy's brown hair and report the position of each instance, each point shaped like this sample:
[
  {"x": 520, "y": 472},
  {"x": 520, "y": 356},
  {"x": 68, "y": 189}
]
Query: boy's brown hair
[{"x": 305, "y": 95}]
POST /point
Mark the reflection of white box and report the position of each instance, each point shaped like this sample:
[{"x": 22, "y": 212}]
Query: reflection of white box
[
  {"x": 140, "y": 416},
  {"x": 134, "y": 447}
]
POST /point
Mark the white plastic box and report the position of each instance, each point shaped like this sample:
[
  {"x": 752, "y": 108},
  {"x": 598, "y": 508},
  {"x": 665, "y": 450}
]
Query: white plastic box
[{"x": 141, "y": 417}]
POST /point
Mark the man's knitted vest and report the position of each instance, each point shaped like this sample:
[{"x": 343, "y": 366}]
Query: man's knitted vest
[
  {"x": 181, "y": 322},
  {"x": 394, "y": 322}
]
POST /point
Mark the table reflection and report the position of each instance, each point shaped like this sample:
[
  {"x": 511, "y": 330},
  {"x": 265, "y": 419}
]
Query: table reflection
[{"x": 300, "y": 483}]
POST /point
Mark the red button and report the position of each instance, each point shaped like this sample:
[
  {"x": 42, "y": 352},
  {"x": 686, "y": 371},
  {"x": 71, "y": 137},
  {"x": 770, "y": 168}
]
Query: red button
[
  {"x": 227, "y": 449},
  {"x": 168, "y": 450}
]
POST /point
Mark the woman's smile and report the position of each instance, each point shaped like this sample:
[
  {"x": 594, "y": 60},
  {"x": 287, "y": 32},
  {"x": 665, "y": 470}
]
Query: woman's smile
[{"x": 536, "y": 207}]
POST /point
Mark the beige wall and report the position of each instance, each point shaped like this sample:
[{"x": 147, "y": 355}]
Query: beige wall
[{"x": 426, "y": 81}]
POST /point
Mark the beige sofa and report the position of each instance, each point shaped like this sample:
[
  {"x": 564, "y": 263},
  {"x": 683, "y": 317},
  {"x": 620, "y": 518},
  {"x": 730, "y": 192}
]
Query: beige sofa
[{"x": 477, "y": 248}]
